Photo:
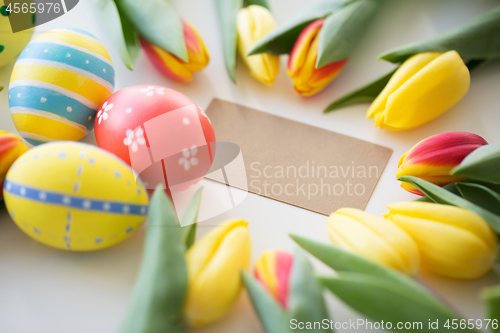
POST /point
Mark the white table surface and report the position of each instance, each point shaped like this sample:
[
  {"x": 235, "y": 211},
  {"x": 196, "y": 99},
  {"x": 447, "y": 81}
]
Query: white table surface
[{"x": 48, "y": 290}]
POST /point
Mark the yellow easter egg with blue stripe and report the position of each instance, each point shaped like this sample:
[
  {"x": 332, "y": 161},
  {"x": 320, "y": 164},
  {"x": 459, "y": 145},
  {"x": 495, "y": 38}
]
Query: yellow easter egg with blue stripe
[
  {"x": 57, "y": 85},
  {"x": 11, "y": 44},
  {"x": 74, "y": 196}
]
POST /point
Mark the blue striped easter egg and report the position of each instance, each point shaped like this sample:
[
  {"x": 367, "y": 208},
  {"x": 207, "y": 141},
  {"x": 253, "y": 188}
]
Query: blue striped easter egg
[{"x": 57, "y": 85}]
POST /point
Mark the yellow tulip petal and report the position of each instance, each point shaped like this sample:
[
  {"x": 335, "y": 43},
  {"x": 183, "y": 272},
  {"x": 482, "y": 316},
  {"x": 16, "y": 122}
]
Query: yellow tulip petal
[
  {"x": 262, "y": 19},
  {"x": 374, "y": 238},
  {"x": 197, "y": 52},
  {"x": 408, "y": 69},
  {"x": 301, "y": 48},
  {"x": 446, "y": 249},
  {"x": 252, "y": 23},
  {"x": 429, "y": 93},
  {"x": 215, "y": 288},
  {"x": 200, "y": 254},
  {"x": 396, "y": 237},
  {"x": 363, "y": 241},
  {"x": 450, "y": 215},
  {"x": 307, "y": 79},
  {"x": 303, "y": 81},
  {"x": 266, "y": 270},
  {"x": 418, "y": 170}
]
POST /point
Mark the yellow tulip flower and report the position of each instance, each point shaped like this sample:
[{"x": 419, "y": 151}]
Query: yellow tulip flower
[
  {"x": 214, "y": 266},
  {"x": 452, "y": 241},
  {"x": 252, "y": 23},
  {"x": 374, "y": 238},
  {"x": 422, "y": 88}
]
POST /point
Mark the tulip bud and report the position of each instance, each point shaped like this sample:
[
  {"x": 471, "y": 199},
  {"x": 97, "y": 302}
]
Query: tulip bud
[
  {"x": 273, "y": 271},
  {"x": 422, "y": 88},
  {"x": 174, "y": 68},
  {"x": 452, "y": 241},
  {"x": 374, "y": 238},
  {"x": 433, "y": 158},
  {"x": 252, "y": 23},
  {"x": 11, "y": 147},
  {"x": 214, "y": 266},
  {"x": 307, "y": 79}
]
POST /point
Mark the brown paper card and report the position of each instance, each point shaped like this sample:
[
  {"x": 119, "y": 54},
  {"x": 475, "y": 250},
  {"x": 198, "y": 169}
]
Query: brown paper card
[{"x": 298, "y": 164}]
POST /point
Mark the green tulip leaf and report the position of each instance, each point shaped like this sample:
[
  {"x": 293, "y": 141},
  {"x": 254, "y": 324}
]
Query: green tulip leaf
[
  {"x": 482, "y": 164},
  {"x": 491, "y": 296},
  {"x": 161, "y": 285},
  {"x": 124, "y": 35},
  {"x": 343, "y": 29},
  {"x": 131, "y": 39},
  {"x": 157, "y": 21},
  {"x": 453, "y": 188},
  {"x": 379, "y": 299},
  {"x": 477, "y": 39},
  {"x": 345, "y": 261},
  {"x": 282, "y": 39},
  {"x": 189, "y": 235},
  {"x": 481, "y": 196},
  {"x": 366, "y": 94},
  {"x": 271, "y": 314},
  {"x": 263, "y": 3},
  {"x": 190, "y": 218},
  {"x": 306, "y": 297},
  {"x": 449, "y": 187},
  {"x": 227, "y": 11},
  {"x": 492, "y": 186},
  {"x": 1, "y": 88},
  {"x": 442, "y": 196}
]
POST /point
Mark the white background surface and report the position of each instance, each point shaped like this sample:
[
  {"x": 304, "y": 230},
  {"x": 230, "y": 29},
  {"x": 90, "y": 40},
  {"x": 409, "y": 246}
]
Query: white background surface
[{"x": 48, "y": 290}]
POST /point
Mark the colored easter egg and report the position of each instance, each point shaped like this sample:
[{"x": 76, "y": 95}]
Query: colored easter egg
[
  {"x": 161, "y": 133},
  {"x": 58, "y": 83},
  {"x": 11, "y": 44},
  {"x": 74, "y": 196}
]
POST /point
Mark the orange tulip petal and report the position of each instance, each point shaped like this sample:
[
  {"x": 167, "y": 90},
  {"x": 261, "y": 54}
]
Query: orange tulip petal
[
  {"x": 308, "y": 79},
  {"x": 11, "y": 147},
  {"x": 171, "y": 66}
]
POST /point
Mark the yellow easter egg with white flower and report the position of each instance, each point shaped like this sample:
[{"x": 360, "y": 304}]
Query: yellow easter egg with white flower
[
  {"x": 11, "y": 44},
  {"x": 74, "y": 196}
]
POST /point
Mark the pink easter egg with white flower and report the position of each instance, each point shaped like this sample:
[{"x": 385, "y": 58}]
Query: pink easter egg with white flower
[{"x": 161, "y": 133}]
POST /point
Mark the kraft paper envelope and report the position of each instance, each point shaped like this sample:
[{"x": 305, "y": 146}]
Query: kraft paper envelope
[{"x": 295, "y": 163}]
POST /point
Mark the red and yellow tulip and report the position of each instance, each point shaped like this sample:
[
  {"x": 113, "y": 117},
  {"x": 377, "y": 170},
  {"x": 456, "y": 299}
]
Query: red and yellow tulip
[
  {"x": 173, "y": 67},
  {"x": 307, "y": 79},
  {"x": 273, "y": 271},
  {"x": 433, "y": 158},
  {"x": 11, "y": 147}
]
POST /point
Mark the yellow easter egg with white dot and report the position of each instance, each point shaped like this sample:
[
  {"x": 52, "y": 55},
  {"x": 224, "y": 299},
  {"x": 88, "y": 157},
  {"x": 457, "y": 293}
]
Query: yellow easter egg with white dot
[
  {"x": 57, "y": 85},
  {"x": 11, "y": 44},
  {"x": 74, "y": 196}
]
